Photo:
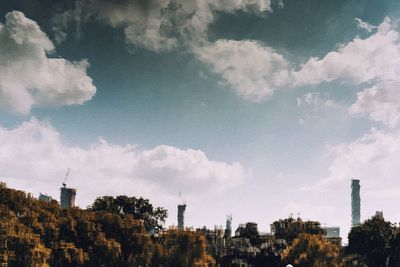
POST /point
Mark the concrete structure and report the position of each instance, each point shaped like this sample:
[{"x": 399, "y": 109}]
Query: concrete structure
[
  {"x": 67, "y": 198},
  {"x": 45, "y": 198},
  {"x": 181, "y": 216},
  {"x": 333, "y": 235},
  {"x": 355, "y": 202},
  {"x": 332, "y": 231}
]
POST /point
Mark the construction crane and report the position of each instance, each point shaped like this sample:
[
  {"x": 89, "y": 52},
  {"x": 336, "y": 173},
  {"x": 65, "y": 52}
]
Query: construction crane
[
  {"x": 181, "y": 199},
  {"x": 66, "y": 177}
]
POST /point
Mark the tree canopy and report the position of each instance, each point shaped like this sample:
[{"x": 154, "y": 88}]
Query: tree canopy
[
  {"x": 140, "y": 208},
  {"x": 250, "y": 231},
  {"x": 312, "y": 250},
  {"x": 374, "y": 240},
  {"x": 290, "y": 228},
  {"x": 40, "y": 233}
]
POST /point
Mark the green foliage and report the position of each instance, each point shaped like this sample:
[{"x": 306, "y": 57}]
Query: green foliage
[
  {"x": 140, "y": 208},
  {"x": 250, "y": 231},
  {"x": 394, "y": 254},
  {"x": 309, "y": 250},
  {"x": 185, "y": 249},
  {"x": 38, "y": 233},
  {"x": 372, "y": 240},
  {"x": 290, "y": 228}
]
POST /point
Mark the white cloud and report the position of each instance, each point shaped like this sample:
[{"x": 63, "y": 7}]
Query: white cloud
[
  {"x": 373, "y": 61},
  {"x": 372, "y": 158},
  {"x": 380, "y": 102},
  {"x": 361, "y": 60},
  {"x": 28, "y": 77},
  {"x": 309, "y": 99},
  {"x": 252, "y": 70},
  {"x": 318, "y": 102},
  {"x": 315, "y": 105},
  {"x": 33, "y": 157},
  {"x": 157, "y": 25},
  {"x": 255, "y": 71},
  {"x": 364, "y": 25}
]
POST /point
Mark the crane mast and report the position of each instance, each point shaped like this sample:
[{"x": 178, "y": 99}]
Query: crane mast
[{"x": 66, "y": 177}]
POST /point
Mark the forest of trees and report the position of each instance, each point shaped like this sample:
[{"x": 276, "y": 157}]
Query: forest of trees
[
  {"x": 38, "y": 233},
  {"x": 127, "y": 231},
  {"x": 140, "y": 209},
  {"x": 375, "y": 242}
]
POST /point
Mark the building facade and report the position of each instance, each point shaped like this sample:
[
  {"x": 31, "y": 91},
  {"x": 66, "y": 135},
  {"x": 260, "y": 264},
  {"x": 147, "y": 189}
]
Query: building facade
[
  {"x": 355, "y": 202},
  {"x": 67, "y": 197}
]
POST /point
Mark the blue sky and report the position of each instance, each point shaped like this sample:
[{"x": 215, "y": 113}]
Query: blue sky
[{"x": 257, "y": 109}]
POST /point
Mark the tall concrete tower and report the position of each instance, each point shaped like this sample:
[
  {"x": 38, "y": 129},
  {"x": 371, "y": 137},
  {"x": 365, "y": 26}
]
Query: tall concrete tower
[
  {"x": 181, "y": 216},
  {"x": 355, "y": 202},
  {"x": 67, "y": 198}
]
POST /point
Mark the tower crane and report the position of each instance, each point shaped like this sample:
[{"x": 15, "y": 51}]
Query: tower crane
[{"x": 66, "y": 177}]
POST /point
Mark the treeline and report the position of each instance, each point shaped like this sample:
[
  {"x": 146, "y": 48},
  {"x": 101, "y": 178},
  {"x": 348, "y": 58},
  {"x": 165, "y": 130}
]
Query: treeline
[
  {"x": 374, "y": 243},
  {"x": 127, "y": 231},
  {"x": 38, "y": 233},
  {"x": 292, "y": 241}
]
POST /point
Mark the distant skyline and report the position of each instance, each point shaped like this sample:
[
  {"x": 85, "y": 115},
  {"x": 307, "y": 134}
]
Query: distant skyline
[{"x": 259, "y": 109}]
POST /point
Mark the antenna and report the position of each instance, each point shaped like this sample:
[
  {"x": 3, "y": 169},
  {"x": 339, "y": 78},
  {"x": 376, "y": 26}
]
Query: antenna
[{"x": 66, "y": 177}]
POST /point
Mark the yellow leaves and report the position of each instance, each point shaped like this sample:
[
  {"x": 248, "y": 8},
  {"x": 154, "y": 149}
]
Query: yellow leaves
[
  {"x": 38, "y": 233},
  {"x": 312, "y": 250},
  {"x": 67, "y": 253}
]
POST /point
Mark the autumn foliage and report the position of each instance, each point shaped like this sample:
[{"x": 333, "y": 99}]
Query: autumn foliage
[
  {"x": 312, "y": 250},
  {"x": 38, "y": 233}
]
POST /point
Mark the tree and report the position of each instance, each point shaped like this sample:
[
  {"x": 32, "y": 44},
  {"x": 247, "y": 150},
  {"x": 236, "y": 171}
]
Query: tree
[
  {"x": 394, "y": 258},
  {"x": 140, "y": 208},
  {"x": 250, "y": 231},
  {"x": 38, "y": 233},
  {"x": 372, "y": 240},
  {"x": 290, "y": 228},
  {"x": 308, "y": 250}
]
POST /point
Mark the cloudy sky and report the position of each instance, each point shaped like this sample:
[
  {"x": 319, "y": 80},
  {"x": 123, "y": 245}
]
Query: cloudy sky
[{"x": 255, "y": 108}]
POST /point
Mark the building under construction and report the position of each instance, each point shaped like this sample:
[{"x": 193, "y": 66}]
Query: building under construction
[
  {"x": 181, "y": 216},
  {"x": 67, "y": 197},
  {"x": 228, "y": 229},
  {"x": 355, "y": 202}
]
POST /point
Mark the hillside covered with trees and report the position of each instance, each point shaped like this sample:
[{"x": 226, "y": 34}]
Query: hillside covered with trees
[{"x": 39, "y": 233}]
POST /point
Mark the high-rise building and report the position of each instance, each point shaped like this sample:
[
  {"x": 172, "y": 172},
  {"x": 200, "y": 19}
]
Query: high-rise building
[
  {"x": 181, "y": 216},
  {"x": 355, "y": 202},
  {"x": 67, "y": 198},
  {"x": 228, "y": 229}
]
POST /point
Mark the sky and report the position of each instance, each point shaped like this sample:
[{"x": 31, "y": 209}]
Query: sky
[{"x": 256, "y": 108}]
